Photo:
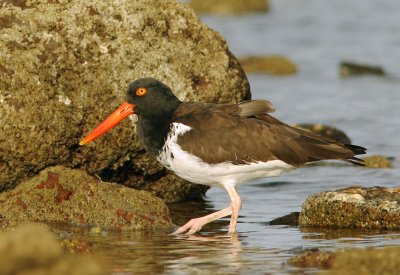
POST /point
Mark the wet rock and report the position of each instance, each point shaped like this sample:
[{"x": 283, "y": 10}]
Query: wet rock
[
  {"x": 77, "y": 245},
  {"x": 367, "y": 261},
  {"x": 60, "y": 194},
  {"x": 313, "y": 258},
  {"x": 7, "y": 224},
  {"x": 353, "y": 207},
  {"x": 228, "y": 7},
  {"x": 330, "y": 233},
  {"x": 274, "y": 64},
  {"x": 291, "y": 219},
  {"x": 353, "y": 69},
  {"x": 326, "y": 131},
  {"x": 33, "y": 249},
  {"x": 353, "y": 261},
  {"x": 65, "y": 65},
  {"x": 377, "y": 161}
]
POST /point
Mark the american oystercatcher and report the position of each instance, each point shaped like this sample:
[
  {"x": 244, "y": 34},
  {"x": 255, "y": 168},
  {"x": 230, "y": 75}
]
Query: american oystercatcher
[{"x": 221, "y": 145}]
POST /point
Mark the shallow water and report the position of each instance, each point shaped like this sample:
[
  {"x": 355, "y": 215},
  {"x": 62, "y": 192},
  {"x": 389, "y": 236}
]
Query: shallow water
[{"x": 317, "y": 35}]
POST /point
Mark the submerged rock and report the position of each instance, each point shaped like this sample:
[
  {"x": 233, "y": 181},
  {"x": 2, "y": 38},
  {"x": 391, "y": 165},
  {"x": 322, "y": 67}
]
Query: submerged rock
[
  {"x": 353, "y": 207},
  {"x": 274, "y": 64},
  {"x": 291, "y": 219},
  {"x": 33, "y": 249},
  {"x": 313, "y": 258},
  {"x": 227, "y": 7},
  {"x": 354, "y": 261},
  {"x": 368, "y": 261},
  {"x": 60, "y": 194},
  {"x": 326, "y": 131},
  {"x": 353, "y": 69},
  {"x": 377, "y": 161},
  {"x": 65, "y": 65}
]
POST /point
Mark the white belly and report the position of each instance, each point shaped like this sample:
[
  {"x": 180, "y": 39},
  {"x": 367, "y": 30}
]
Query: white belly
[{"x": 195, "y": 170}]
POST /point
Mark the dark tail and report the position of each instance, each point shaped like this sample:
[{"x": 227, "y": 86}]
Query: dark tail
[{"x": 357, "y": 150}]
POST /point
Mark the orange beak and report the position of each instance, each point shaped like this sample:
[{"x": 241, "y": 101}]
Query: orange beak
[{"x": 114, "y": 119}]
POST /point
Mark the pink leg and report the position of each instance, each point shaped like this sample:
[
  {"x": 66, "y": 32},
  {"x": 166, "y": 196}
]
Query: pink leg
[
  {"x": 195, "y": 225},
  {"x": 236, "y": 205}
]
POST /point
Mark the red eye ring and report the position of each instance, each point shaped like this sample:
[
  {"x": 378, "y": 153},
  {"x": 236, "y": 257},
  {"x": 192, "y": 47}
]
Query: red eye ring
[{"x": 141, "y": 91}]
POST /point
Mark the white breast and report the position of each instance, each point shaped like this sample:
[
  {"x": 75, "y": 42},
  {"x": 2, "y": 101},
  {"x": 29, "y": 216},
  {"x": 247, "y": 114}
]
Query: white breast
[{"x": 193, "y": 169}]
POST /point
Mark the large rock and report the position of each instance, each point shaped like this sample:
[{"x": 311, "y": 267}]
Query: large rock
[
  {"x": 65, "y": 65},
  {"x": 60, "y": 194},
  {"x": 354, "y": 207}
]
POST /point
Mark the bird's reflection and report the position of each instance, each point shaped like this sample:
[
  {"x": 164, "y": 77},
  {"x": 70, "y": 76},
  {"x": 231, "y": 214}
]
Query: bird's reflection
[
  {"x": 212, "y": 246},
  {"x": 201, "y": 251}
]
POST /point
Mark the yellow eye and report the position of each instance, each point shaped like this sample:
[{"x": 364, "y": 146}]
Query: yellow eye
[{"x": 141, "y": 91}]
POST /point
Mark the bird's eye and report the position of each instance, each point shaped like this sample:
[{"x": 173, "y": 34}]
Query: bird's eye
[{"x": 141, "y": 91}]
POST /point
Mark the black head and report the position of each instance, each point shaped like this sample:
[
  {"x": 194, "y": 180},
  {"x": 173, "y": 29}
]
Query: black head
[
  {"x": 151, "y": 98},
  {"x": 152, "y": 101}
]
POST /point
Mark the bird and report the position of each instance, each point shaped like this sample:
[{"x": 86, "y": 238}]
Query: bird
[{"x": 220, "y": 145}]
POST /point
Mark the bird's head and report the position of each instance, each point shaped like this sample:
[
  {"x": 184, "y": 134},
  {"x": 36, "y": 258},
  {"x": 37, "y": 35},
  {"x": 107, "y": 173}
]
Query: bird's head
[{"x": 146, "y": 97}]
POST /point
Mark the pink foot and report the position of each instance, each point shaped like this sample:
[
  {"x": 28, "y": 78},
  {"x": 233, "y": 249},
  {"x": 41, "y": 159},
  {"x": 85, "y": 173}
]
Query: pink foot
[{"x": 191, "y": 227}]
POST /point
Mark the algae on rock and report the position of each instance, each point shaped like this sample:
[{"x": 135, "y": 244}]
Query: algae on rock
[
  {"x": 368, "y": 261},
  {"x": 353, "y": 207},
  {"x": 65, "y": 65},
  {"x": 60, "y": 194}
]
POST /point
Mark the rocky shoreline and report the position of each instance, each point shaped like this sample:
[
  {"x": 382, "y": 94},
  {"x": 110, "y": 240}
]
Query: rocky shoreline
[{"x": 66, "y": 69}]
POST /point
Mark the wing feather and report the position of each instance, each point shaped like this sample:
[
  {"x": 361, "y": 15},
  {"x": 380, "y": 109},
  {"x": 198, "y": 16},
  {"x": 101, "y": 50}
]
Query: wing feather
[{"x": 245, "y": 133}]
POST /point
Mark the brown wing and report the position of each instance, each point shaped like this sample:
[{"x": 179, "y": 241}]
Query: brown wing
[{"x": 228, "y": 132}]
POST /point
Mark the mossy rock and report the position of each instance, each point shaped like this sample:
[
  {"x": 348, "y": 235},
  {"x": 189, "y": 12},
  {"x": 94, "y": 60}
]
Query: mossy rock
[
  {"x": 377, "y": 161},
  {"x": 313, "y": 258},
  {"x": 65, "y": 65},
  {"x": 274, "y": 64},
  {"x": 368, "y": 261},
  {"x": 64, "y": 195},
  {"x": 354, "y": 69},
  {"x": 353, "y": 207},
  {"x": 229, "y": 7}
]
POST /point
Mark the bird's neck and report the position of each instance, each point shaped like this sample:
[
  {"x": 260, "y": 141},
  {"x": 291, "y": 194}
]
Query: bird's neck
[{"x": 153, "y": 128}]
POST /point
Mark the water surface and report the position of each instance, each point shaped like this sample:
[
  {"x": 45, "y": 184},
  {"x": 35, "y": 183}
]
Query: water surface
[{"x": 317, "y": 35}]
